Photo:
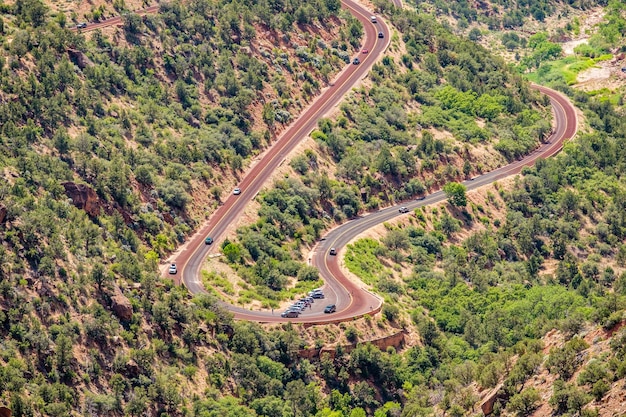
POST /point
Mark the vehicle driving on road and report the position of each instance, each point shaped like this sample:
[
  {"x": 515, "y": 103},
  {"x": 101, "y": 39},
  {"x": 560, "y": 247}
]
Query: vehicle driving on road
[
  {"x": 330, "y": 309},
  {"x": 333, "y": 251},
  {"x": 403, "y": 210},
  {"x": 289, "y": 314},
  {"x": 381, "y": 35},
  {"x": 208, "y": 240},
  {"x": 237, "y": 191},
  {"x": 356, "y": 61}
]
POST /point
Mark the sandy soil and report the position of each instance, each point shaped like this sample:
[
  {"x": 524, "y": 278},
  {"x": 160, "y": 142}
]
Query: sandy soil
[
  {"x": 606, "y": 74},
  {"x": 596, "y": 73},
  {"x": 568, "y": 47}
]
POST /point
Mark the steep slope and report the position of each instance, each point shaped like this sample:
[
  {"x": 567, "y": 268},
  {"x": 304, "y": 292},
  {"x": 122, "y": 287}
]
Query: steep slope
[{"x": 113, "y": 145}]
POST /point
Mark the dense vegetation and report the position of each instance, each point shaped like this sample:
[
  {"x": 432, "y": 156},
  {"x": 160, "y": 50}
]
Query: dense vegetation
[
  {"x": 175, "y": 104},
  {"x": 499, "y": 14},
  {"x": 127, "y": 117},
  {"x": 555, "y": 261},
  {"x": 386, "y": 146},
  {"x": 155, "y": 119},
  {"x": 545, "y": 56}
]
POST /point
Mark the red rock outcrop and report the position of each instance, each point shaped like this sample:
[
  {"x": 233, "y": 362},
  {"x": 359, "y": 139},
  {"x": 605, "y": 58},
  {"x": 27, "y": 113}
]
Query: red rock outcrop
[
  {"x": 3, "y": 213},
  {"x": 490, "y": 400},
  {"x": 121, "y": 306},
  {"x": 83, "y": 197},
  {"x": 79, "y": 58}
]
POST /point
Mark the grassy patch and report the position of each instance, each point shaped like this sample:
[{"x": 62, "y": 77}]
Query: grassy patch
[
  {"x": 301, "y": 288},
  {"x": 605, "y": 94},
  {"x": 566, "y": 69},
  {"x": 213, "y": 281},
  {"x": 272, "y": 299},
  {"x": 361, "y": 260}
]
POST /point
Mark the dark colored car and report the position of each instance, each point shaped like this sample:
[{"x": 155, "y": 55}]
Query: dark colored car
[
  {"x": 330, "y": 309},
  {"x": 289, "y": 314},
  {"x": 356, "y": 61},
  {"x": 333, "y": 251},
  {"x": 381, "y": 35},
  {"x": 208, "y": 240}
]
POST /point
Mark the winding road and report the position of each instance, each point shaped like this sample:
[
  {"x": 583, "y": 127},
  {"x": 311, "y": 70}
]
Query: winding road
[
  {"x": 190, "y": 259},
  {"x": 351, "y": 298},
  {"x": 115, "y": 20}
]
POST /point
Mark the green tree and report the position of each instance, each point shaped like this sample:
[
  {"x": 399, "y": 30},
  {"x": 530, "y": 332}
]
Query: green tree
[
  {"x": 269, "y": 115},
  {"x": 524, "y": 403},
  {"x": 567, "y": 398},
  {"x": 138, "y": 402},
  {"x": 63, "y": 355},
  {"x": 475, "y": 34},
  {"x": 456, "y": 194},
  {"x": 100, "y": 276},
  {"x": 449, "y": 225},
  {"x": 308, "y": 273},
  {"x": 565, "y": 360}
]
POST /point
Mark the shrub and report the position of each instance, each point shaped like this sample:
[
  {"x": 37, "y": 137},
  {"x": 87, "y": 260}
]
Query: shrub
[{"x": 352, "y": 334}]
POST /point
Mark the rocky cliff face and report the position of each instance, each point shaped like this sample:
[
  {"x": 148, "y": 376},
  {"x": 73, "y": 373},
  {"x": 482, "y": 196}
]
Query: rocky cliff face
[
  {"x": 3, "y": 213},
  {"x": 83, "y": 197},
  {"x": 121, "y": 306}
]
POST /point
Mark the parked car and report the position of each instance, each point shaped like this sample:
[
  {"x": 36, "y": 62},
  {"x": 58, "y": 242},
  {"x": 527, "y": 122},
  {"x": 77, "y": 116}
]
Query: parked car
[
  {"x": 237, "y": 191},
  {"x": 381, "y": 35},
  {"x": 173, "y": 270},
  {"x": 330, "y": 309},
  {"x": 310, "y": 299},
  {"x": 333, "y": 251},
  {"x": 208, "y": 240},
  {"x": 356, "y": 61},
  {"x": 316, "y": 294},
  {"x": 289, "y": 314},
  {"x": 403, "y": 210}
]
